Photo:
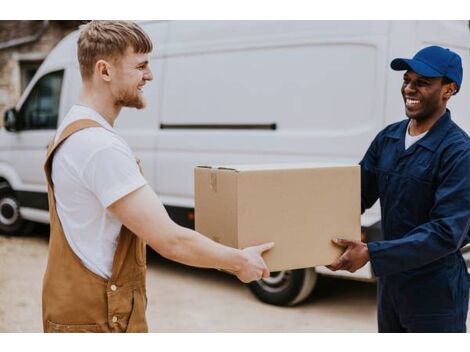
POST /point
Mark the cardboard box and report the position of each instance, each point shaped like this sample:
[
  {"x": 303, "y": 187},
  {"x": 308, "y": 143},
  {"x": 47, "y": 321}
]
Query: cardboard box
[{"x": 300, "y": 207}]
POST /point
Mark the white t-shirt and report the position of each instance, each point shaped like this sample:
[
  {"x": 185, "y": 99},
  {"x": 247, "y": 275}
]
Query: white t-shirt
[
  {"x": 92, "y": 169},
  {"x": 409, "y": 139}
]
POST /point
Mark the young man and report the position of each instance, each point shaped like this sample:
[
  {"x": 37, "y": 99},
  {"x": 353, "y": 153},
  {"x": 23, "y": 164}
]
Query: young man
[
  {"x": 419, "y": 168},
  {"x": 102, "y": 209}
]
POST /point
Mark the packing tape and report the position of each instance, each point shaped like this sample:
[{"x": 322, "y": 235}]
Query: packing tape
[{"x": 214, "y": 181}]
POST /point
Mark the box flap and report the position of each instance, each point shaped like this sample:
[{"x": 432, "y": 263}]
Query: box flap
[
  {"x": 280, "y": 166},
  {"x": 215, "y": 167}
]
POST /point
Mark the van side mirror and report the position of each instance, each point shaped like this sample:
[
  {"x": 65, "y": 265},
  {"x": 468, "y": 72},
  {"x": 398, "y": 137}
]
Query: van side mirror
[{"x": 10, "y": 120}]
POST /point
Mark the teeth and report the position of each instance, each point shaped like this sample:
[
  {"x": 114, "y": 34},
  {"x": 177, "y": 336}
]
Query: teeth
[{"x": 411, "y": 101}]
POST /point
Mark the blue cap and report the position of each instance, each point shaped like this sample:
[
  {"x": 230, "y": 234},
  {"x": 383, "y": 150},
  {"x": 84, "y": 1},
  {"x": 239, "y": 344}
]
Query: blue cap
[{"x": 433, "y": 61}]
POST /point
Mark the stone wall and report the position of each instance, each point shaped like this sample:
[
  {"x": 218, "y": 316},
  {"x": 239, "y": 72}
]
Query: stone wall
[{"x": 11, "y": 57}]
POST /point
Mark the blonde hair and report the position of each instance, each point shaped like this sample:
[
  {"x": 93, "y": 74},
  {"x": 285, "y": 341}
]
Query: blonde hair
[{"x": 107, "y": 40}]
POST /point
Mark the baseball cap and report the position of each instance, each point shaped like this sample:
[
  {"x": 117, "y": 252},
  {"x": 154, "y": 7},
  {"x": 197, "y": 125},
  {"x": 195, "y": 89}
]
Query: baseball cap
[{"x": 433, "y": 61}]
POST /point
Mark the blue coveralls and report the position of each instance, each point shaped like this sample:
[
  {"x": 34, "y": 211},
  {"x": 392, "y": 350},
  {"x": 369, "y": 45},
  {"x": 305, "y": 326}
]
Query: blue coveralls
[{"x": 424, "y": 194}]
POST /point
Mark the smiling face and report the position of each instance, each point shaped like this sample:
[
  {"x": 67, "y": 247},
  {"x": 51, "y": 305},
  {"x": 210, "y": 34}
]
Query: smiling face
[
  {"x": 424, "y": 97},
  {"x": 131, "y": 73}
]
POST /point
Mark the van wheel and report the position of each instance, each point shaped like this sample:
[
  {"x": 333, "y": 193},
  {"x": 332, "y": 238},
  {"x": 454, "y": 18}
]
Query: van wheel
[
  {"x": 285, "y": 288},
  {"x": 11, "y": 222}
]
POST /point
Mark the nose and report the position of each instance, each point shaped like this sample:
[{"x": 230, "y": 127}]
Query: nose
[
  {"x": 148, "y": 76},
  {"x": 409, "y": 87}
]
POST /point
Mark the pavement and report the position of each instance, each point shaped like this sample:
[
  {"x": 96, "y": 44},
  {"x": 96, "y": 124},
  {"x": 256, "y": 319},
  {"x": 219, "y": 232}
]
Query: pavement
[{"x": 186, "y": 299}]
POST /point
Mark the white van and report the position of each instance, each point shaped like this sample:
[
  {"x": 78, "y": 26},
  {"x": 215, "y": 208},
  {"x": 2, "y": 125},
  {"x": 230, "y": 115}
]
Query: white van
[{"x": 235, "y": 92}]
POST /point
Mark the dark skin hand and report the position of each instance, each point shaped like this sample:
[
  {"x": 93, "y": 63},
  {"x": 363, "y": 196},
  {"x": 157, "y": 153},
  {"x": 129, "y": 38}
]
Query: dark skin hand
[{"x": 354, "y": 257}]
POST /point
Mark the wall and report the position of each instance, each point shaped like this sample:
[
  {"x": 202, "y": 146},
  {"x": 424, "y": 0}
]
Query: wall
[{"x": 43, "y": 36}]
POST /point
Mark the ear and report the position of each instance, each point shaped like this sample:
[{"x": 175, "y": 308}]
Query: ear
[
  {"x": 103, "y": 69},
  {"x": 449, "y": 90}
]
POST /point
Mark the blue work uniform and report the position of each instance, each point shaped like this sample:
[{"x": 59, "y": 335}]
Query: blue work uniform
[{"x": 424, "y": 195}]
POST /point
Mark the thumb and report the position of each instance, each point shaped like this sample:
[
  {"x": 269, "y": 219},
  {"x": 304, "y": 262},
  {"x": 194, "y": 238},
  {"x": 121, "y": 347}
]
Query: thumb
[
  {"x": 264, "y": 247},
  {"x": 341, "y": 242}
]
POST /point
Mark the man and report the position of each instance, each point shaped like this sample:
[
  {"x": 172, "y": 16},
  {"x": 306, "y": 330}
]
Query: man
[
  {"x": 102, "y": 209},
  {"x": 419, "y": 168}
]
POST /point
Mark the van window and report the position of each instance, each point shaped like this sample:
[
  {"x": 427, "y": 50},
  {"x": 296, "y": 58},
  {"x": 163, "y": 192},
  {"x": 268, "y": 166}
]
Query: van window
[{"x": 41, "y": 109}]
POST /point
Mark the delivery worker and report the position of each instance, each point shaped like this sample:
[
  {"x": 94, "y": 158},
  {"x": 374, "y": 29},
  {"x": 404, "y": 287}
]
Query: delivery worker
[
  {"x": 102, "y": 209},
  {"x": 420, "y": 170}
]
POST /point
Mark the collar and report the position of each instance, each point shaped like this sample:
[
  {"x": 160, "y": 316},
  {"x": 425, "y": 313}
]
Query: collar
[
  {"x": 434, "y": 136},
  {"x": 94, "y": 115}
]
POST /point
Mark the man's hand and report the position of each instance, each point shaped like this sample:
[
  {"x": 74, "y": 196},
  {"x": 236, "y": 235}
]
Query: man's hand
[
  {"x": 143, "y": 213},
  {"x": 254, "y": 268},
  {"x": 355, "y": 256}
]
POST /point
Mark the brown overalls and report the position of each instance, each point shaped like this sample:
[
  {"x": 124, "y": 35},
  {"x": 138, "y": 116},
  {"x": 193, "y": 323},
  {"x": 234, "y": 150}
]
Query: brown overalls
[{"x": 74, "y": 299}]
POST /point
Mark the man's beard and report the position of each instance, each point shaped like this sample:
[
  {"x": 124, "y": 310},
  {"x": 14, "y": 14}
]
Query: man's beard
[{"x": 127, "y": 99}]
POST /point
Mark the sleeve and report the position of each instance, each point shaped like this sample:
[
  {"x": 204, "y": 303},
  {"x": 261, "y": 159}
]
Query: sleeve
[
  {"x": 369, "y": 186},
  {"x": 447, "y": 229},
  {"x": 111, "y": 173}
]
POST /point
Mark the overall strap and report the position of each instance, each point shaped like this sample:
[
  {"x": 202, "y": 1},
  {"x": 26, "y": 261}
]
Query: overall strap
[{"x": 67, "y": 132}]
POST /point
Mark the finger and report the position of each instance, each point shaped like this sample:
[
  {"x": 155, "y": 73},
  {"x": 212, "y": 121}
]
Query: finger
[
  {"x": 266, "y": 273},
  {"x": 341, "y": 242},
  {"x": 336, "y": 265},
  {"x": 341, "y": 260},
  {"x": 264, "y": 247},
  {"x": 258, "y": 275}
]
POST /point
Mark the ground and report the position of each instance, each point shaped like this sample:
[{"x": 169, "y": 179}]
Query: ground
[{"x": 185, "y": 299}]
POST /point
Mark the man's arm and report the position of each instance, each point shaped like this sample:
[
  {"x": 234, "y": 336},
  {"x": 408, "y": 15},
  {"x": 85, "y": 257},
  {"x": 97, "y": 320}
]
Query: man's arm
[
  {"x": 369, "y": 185},
  {"x": 143, "y": 213},
  {"x": 446, "y": 231},
  {"x": 444, "y": 234}
]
